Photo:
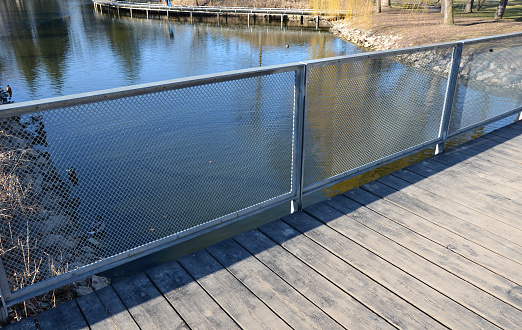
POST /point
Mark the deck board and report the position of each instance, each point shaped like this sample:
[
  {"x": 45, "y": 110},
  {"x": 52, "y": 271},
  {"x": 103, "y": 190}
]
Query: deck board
[
  {"x": 334, "y": 301},
  {"x": 437, "y": 244},
  {"x": 429, "y": 250},
  {"x": 278, "y": 295},
  {"x": 492, "y": 210},
  {"x": 442, "y": 236},
  {"x": 193, "y": 303},
  {"x": 499, "y": 237},
  {"x": 115, "y": 308},
  {"x": 236, "y": 299},
  {"x": 147, "y": 305},
  {"x": 449, "y": 288},
  {"x": 395, "y": 267},
  {"x": 379, "y": 298}
]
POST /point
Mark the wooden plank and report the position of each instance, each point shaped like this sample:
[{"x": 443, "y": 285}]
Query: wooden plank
[
  {"x": 455, "y": 291},
  {"x": 342, "y": 307},
  {"x": 501, "y": 140},
  {"x": 477, "y": 227},
  {"x": 495, "y": 149},
  {"x": 435, "y": 291},
  {"x": 467, "y": 199},
  {"x": 495, "y": 152},
  {"x": 239, "y": 302},
  {"x": 458, "y": 244},
  {"x": 280, "y": 297},
  {"x": 194, "y": 305},
  {"x": 499, "y": 194},
  {"x": 463, "y": 170},
  {"x": 483, "y": 189},
  {"x": 509, "y": 132},
  {"x": 95, "y": 312},
  {"x": 24, "y": 324},
  {"x": 50, "y": 320},
  {"x": 147, "y": 306},
  {"x": 479, "y": 276},
  {"x": 115, "y": 308},
  {"x": 72, "y": 316},
  {"x": 487, "y": 157},
  {"x": 372, "y": 294},
  {"x": 485, "y": 166},
  {"x": 497, "y": 225}
]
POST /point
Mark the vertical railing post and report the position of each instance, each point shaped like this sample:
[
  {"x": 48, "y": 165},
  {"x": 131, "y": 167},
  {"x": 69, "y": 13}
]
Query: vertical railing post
[
  {"x": 449, "y": 97},
  {"x": 5, "y": 292},
  {"x": 299, "y": 127}
]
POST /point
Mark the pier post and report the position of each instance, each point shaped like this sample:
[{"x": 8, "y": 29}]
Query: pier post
[
  {"x": 282, "y": 19},
  {"x": 218, "y": 18},
  {"x": 317, "y": 23},
  {"x": 131, "y": 12},
  {"x": 147, "y": 11},
  {"x": 248, "y": 19},
  {"x": 191, "y": 21}
]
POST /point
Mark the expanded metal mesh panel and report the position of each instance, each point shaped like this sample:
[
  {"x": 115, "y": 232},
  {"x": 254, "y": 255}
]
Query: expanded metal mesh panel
[
  {"x": 360, "y": 112},
  {"x": 84, "y": 183},
  {"x": 490, "y": 82}
]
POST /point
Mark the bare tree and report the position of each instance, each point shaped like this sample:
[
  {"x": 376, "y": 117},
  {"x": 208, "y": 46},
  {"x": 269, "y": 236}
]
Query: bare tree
[
  {"x": 469, "y": 6},
  {"x": 500, "y": 9},
  {"x": 448, "y": 12},
  {"x": 480, "y": 4}
]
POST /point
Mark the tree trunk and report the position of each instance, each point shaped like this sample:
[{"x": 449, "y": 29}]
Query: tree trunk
[
  {"x": 386, "y": 3},
  {"x": 469, "y": 6},
  {"x": 448, "y": 12},
  {"x": 378, "y": 6},
  {"x": 501, "y": 8}
]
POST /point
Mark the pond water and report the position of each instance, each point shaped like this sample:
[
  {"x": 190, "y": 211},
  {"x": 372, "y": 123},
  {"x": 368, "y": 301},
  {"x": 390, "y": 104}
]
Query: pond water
[{"x": 62, "y": 47}]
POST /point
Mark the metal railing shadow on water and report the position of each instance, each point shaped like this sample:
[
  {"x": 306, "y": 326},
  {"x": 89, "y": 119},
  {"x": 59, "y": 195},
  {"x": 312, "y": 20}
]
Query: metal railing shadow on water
[{"x": 95, "y": 180}]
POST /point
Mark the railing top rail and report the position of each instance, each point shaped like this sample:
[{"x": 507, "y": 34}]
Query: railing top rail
[
  {"x": 491, "y": 38},
  {"x": 408, "y": 50},
  {"x": 16, "y": 109}
]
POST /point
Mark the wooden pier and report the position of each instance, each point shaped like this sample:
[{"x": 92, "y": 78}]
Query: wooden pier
[
  {"x": 435, "y": 245},
  {"x": 250, "y": 14}
]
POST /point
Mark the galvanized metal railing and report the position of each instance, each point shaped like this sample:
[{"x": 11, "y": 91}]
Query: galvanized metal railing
[{"x": 94, "y": 180}]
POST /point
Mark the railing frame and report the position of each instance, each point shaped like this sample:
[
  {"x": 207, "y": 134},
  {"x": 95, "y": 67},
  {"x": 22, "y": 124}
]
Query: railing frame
[{"x": 295, "y": 196}]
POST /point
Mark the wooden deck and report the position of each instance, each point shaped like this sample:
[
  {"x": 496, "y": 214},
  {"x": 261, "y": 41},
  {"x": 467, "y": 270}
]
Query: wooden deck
[{"x": 438, "y": 244}]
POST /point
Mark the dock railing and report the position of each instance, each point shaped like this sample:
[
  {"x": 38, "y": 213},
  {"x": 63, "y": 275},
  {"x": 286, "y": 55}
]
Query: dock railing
[{"x": 94, "y": 180}]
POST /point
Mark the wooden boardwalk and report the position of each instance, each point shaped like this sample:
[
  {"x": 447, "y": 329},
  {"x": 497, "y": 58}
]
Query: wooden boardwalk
[{"x": 438, "y": 244}]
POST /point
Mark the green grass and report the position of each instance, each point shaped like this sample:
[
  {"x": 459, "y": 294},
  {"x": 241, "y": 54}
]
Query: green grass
[
  {"x": 487, "y": 12},
  {"x": 513, "y": 10}
]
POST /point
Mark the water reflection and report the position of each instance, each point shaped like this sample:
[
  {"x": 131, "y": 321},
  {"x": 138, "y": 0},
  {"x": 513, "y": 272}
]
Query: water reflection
[{"x": 57, "y": 47}]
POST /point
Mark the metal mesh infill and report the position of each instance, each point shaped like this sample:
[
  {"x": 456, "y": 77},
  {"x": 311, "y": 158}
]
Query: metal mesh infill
[{"x": 83, "y": 183}]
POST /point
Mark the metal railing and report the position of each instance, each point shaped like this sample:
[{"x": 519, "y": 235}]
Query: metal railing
[{"x": 94, "y": 180}]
